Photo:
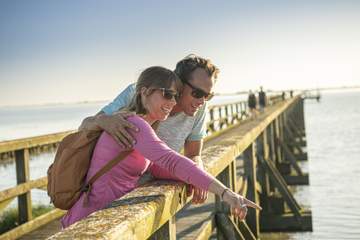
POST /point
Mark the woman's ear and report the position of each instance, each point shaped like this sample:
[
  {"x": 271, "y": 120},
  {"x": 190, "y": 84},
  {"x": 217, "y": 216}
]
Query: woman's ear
[{"x": 143, "y": 91}]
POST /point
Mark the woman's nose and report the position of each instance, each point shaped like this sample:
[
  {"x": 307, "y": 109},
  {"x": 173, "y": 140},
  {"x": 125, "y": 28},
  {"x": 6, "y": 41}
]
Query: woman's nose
[{"x": 173, "y": 101}]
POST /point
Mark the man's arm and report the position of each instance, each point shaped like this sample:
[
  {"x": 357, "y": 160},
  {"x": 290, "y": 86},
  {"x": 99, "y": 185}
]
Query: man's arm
[
  {"x": 192, "y": 150},
  {"x": 92, "y": 122},
  {"x": 116, "y": 125},
  {"x": 113, "y": 121}
]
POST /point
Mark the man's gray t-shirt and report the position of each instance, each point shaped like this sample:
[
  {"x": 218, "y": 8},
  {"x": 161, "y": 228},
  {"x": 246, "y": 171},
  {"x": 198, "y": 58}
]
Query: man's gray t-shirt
[{"x": 175, "y": 130}]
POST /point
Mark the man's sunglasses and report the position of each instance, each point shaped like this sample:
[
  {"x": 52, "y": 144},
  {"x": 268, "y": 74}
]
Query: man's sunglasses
[
  {"x": 169, "y": 94},
  {"x": 199, "y": 93}
]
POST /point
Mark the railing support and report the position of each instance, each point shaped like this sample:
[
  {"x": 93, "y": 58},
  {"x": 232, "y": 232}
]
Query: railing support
[{"x": 22, "y": 159}]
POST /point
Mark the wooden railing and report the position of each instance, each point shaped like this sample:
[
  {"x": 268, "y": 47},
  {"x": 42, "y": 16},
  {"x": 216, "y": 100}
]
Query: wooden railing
[
  {"x": 149, "y": 211},
  {"x": 222, "y": 117}
]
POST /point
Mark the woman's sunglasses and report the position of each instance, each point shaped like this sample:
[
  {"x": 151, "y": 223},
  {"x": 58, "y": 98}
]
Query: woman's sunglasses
[
  {"x": 169, "y": 94},
  {"x": 199, "y": 93}
]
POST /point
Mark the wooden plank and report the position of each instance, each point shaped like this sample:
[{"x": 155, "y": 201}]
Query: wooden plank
[
  {"x": 18, "y": 144},
  {"x": 166, "y": 231},
  {"x": 301, "y": 157},
  {"x": 291, "y": 158},
  {"x": 221, "y": 207},
  {"x": 22, "y": 159},
  {"x": 286, "y": 222},
  {"x": 206, "y": 229},
  {"x": 246, "y": 231},
  {"x": 5, "y": 203},
  {"x": 293, "y": 125},
  {"x": 22, "y": 188},
  {"x": 252, "y": 217},
  {"x": 296, "y": 180},
  {"x": 296, "y": 131},
  {"x": 227, "y": 227},
  {"x": 280, "y": 183},
  {"x": 292, "y": 141},
  {"x": 32, "y": 225}
]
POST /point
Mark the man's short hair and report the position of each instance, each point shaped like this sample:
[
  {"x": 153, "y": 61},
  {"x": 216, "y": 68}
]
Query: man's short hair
[{"x": 186, "y": 66}]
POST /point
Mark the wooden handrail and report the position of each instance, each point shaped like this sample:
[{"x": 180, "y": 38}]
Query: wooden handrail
[
  {"x": 140, "y": 213},
  {"x": 215, "y": 164},
  {"x": 19, "y": 144}
]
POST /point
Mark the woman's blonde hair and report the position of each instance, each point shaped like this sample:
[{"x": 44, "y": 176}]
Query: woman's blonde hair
[{"x": 153, "y": 77}]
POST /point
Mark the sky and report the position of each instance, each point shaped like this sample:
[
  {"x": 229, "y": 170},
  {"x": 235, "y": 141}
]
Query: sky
[{"x": 87, "y": 50}]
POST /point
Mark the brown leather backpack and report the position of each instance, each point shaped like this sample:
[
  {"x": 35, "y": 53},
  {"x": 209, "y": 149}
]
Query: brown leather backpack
[{"x": 67, "y": 175}]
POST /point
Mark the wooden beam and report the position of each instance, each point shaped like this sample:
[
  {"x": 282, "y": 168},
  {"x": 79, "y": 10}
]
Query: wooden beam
[
  {"x": 291, "y": 140},
  {"x": 166, "y": 231},
  {"x": 22, "y": 188},
  {"x": 291, "y": 158},
  {"x": 32, "y": 225},
  {"x": 5, "y": 203},
  {"x": 227, "y": 227},
  {"x": 296, "y": 180},
  {"x": 22, "y": 159},
  {"x": 206, "y": 229},
  {"x": 19, "y": 144},
  {"x": 250, "y": 162},
  {"x": 246, "y": 231},
  {"x": 280, "y": 183},
  {"x": 301, "y": 157},
  {"x": 286, "y": 222}
]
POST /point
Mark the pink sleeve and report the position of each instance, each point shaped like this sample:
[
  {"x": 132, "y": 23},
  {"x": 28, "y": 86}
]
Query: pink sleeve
[
  {"x": 152, "y": 148},
  {"x": 161, "y": 173}
]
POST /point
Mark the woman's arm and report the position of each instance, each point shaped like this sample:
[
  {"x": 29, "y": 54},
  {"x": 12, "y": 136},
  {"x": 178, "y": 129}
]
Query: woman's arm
[
  {"x": 152, "y": 148},
  {"x": 161, "y": 173}
]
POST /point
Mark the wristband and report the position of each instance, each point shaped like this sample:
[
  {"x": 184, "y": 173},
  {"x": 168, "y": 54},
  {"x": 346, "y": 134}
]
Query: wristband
[{"x": 222, "y": 194}]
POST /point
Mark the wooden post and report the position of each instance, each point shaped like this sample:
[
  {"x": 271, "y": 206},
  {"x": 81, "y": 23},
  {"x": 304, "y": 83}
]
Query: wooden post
[
  {"x": 220, "y": 118},
  {"x": 212, "y": 126},
  {"x": 238, "y": 111},
  {"x": 22, "y": 159},
  {"x": 166, "y": 232},
  {"x": 221, "y": 207},
  {"x": 227, "y": 115},
  {"x": 250, "y": 165},
  {"x": 278, "y": 158},
  {"x": 265, "y": 151}
]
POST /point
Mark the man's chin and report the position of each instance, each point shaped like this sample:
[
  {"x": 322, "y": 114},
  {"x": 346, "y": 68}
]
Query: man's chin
[{"x": 191, "y": 112}]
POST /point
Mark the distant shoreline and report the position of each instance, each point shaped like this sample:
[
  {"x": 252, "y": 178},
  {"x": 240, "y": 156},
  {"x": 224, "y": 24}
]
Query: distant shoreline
[{"x": 217, "y": 94}]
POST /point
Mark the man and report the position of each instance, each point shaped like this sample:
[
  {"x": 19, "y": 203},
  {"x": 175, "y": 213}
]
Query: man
[
  {"x": 252, "y": 104},
  {"x": 262, "y": 99},
  {"x": 184, "y": 128}
]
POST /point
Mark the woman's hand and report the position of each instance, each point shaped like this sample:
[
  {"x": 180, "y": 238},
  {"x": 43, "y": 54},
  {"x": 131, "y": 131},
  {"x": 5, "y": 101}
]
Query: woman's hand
[
  {"x": 238, "y": 204},
  {"x": 199, "y": 196}
]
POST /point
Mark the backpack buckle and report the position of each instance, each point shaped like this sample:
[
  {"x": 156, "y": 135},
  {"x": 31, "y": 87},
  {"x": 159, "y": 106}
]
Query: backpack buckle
[{"x": 85, "y": 188}]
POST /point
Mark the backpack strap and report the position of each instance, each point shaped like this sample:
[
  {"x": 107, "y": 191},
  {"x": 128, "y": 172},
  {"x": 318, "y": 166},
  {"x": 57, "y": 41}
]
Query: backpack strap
[{"x": 87, "y": 187}]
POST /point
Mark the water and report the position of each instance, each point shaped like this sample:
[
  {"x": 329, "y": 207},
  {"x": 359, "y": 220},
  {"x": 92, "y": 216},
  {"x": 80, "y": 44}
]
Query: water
[
  {"x": 19, "y": 122},
  {"x": 332, "y": 128}
]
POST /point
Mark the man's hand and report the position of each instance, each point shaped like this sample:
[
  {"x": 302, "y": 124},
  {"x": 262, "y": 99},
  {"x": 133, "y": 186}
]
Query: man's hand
[
  {"x": 199, "y": 195},
  {"x": 192, "y": 150},
  {"x": 116, "y": 125}
]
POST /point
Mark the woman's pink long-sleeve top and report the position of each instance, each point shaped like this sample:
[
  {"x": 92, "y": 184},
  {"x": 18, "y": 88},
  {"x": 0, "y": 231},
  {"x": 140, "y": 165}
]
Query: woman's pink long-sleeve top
[{"x": 149, "y": 151}]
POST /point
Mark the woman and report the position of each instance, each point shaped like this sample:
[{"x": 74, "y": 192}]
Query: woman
[{"x": 156, "y": 92}]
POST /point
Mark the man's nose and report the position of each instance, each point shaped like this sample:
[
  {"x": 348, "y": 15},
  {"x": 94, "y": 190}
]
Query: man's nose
[{"x": 200, "y": 101}]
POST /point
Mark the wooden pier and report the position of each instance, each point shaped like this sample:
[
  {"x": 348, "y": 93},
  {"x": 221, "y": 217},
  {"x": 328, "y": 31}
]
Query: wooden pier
[{"x": 257, "y": 158}]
